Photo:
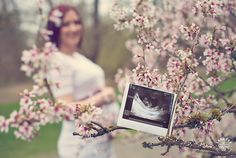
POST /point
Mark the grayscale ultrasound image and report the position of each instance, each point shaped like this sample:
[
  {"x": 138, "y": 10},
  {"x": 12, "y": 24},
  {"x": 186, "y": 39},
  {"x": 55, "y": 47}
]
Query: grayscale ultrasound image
[{"x": 148, "y": 105}]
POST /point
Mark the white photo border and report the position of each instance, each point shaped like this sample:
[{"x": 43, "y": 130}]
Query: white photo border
[{"x": 161, "y": 131}]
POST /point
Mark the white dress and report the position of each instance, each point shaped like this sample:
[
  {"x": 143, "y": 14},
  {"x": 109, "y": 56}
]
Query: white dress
[{"x": 81, "y": 78}]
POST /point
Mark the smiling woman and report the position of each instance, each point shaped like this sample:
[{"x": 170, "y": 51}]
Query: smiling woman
[
  {"x": 67, "y": 26},
  {"x": 81, "y": 81}
]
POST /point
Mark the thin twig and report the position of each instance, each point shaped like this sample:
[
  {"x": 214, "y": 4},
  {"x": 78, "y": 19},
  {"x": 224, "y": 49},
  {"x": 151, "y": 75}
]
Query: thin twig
[
  {"x": 180, "y": 88},
  {"x": 167, "y": 150},
  {"x": 49, "y": 91}
]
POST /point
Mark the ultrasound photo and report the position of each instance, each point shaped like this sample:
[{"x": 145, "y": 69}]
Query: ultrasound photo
[{"x": 147, "y": 106}]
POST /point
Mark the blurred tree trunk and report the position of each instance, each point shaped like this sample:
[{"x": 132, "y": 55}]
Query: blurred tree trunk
[
  {"x": 12, "y": 41},
  {"x": 96, "y": 33},
  {"x": 39, "y": 40}
]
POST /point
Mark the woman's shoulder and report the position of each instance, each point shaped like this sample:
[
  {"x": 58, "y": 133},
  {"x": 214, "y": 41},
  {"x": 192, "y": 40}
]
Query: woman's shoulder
[
  {"x": 86, "y": 62},
  {"x": 62, "y": 59},
  {"x": 83, "y": 58},
  {"x": 58, "y": 56},
  {"x": 63, "y": 62}
]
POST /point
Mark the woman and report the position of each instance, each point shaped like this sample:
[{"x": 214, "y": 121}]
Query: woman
[{"x": 80, "y": 81}]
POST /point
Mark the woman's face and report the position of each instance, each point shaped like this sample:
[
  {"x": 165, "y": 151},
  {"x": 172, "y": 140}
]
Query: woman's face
[{"x": 71, "y": 29}]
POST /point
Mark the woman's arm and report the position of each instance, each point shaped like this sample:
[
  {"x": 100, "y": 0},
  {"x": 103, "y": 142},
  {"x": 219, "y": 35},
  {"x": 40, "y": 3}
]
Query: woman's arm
[{"x": 106, "y": 96}]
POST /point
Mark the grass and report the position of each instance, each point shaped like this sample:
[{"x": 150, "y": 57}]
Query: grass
[{"x": 45, "y": 144}]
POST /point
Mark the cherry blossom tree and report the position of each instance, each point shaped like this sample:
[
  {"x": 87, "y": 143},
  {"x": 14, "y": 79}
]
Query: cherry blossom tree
[
  {"x": 196, "y": 41},
  {"x": 181, "y": 46}
]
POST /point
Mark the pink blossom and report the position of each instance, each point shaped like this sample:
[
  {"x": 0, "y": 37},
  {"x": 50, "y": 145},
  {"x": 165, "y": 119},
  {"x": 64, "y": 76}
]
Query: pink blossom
[
  {"x": 190, "y": 32},
  {"x": 174, "y": 66},
  {"x": 46, "y": 33},
  {"x": 55, "y": 17},
  {"x": 140, "y": 21},
  {"x": 37, "y": 62},
  {"x": 209, "y": 7},
  {"x": 213, "y": 81},
  {"x": 4, "y": 124},
  {"x": 217, "y": 61},
  {"x": 205, "y": 40}
]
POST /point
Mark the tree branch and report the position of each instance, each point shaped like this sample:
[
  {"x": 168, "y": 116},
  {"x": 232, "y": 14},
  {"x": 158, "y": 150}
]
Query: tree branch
[
  {"x": 100, "y": 130},
  {"x": 231, "y": 109},
  {"x": 173, "y": 141},
  {"x": 232, "y": 138}
]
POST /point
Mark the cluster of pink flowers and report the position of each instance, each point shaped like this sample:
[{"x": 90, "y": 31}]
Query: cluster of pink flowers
[
  {"x": 190, "y": 32},
  {"x": 205, "y": 40},
  {"x": 35, "y": 110},
  {"x": 36, "y": 63},
  {"x": 210, "y": 7},
  {"x": 217, "y": 61},
  {"x": 188, "y": 43},
  {"x": 32, "y": 114},
  {"x": 84, "y": 115}
]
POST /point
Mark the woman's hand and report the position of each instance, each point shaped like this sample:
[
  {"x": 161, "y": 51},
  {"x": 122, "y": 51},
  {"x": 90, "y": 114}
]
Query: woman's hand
[{"x": 108, "y": 94}]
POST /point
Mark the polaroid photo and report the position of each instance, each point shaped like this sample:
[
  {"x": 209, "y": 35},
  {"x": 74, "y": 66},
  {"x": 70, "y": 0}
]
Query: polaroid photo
[{"x": 148, "y": 110}]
